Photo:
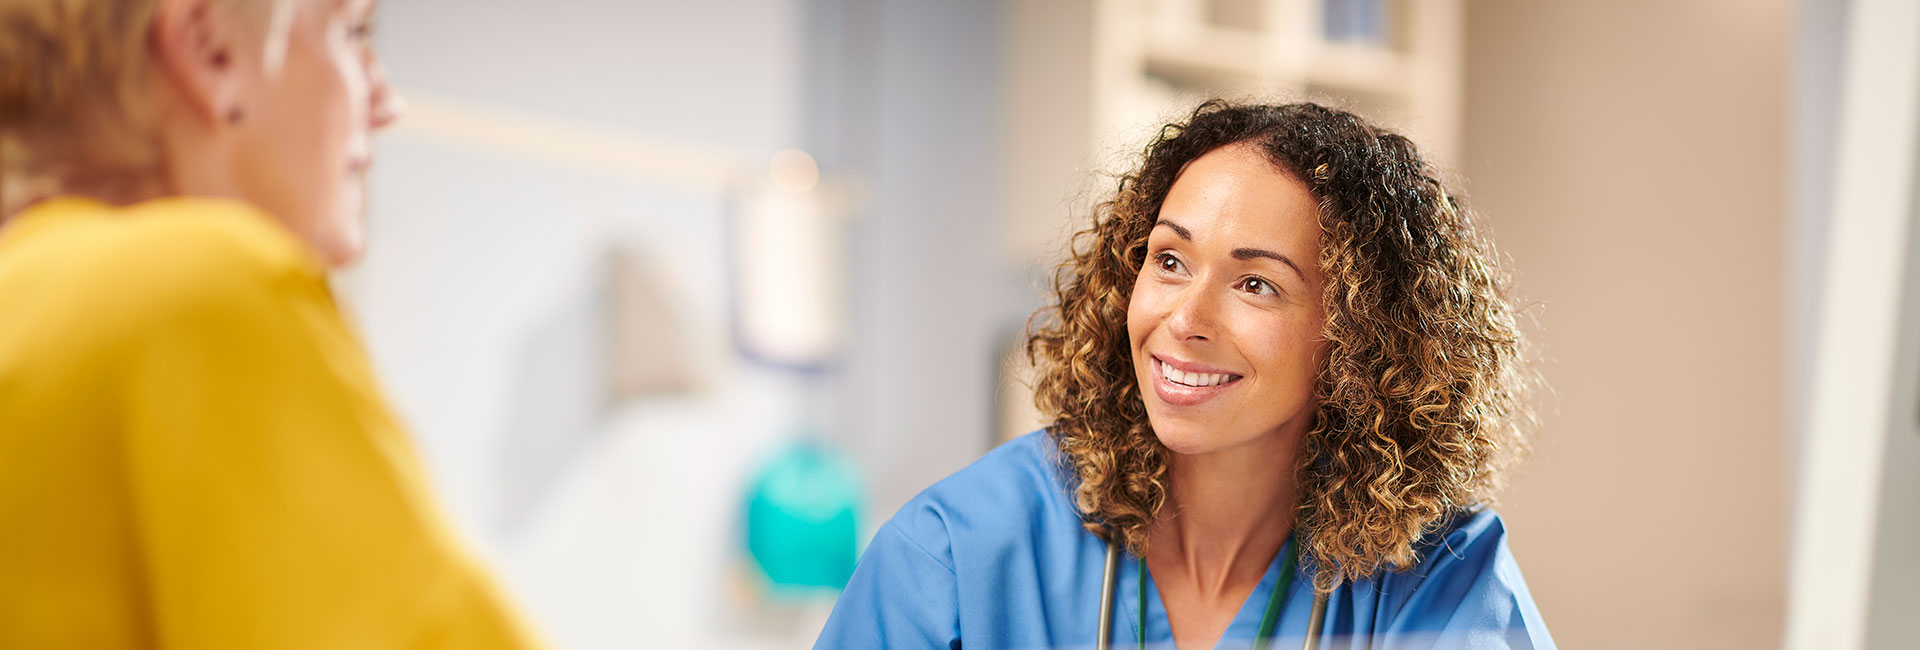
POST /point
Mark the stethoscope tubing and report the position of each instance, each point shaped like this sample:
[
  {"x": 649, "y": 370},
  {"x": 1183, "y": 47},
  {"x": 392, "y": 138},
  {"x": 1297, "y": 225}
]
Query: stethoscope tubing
[{"x": 1103, "y": 640}]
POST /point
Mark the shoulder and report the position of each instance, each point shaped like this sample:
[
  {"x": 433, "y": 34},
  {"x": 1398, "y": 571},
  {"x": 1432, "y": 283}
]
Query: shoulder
[
  {"x": 1469, "y": 546},
  {"x": 1466, "y": 576},
  {"x": 200, "y": 249},
  {"x": 999, "y": 498},
  {"x": 156, "y": 262},
  {"x": 1469, "y": 537}
]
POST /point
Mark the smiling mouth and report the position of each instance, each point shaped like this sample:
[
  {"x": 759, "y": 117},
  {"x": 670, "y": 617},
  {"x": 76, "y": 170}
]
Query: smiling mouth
[{"x": 1186, "y": 379}]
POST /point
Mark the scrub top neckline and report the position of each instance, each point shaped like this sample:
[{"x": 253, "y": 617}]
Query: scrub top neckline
[{"x": 1246, "y": 621}]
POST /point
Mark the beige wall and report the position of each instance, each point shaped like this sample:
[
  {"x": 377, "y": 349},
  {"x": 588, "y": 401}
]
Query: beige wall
[{"x": 1630, "y": 156}]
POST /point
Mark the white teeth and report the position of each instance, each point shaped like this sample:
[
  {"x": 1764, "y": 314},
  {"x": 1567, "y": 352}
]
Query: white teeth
[{"x": 1193, "y": 379}]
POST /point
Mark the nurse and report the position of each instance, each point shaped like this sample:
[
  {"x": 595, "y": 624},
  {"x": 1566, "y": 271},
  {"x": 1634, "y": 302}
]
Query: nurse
[
  {"x": 193, "y": 450},
  {"x": 1284, "y": 382}
]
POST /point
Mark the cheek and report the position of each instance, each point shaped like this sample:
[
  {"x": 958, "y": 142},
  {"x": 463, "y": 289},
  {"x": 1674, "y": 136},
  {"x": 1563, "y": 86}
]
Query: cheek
[
  {"x": 1288, "y": 349},
  {"x": 336, "y": 76},
  {"x": 351, "y": 77},
  {"x": 1142, "y": 312},
  {"x": 311, "y": 101},
  {"x": 332, "y": 94}
]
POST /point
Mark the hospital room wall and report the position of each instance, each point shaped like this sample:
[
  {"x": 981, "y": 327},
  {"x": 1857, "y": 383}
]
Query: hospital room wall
[
  {"x": 487, "y": 251},
  {"x": 909, "y": 98},
  {"x": 546, "y": 137},
  {"x": 1631, "y": 158}
]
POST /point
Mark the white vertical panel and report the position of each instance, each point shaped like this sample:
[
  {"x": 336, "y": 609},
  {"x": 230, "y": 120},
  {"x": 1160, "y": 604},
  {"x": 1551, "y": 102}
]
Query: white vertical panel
[{"x": 1853, "y": 403}]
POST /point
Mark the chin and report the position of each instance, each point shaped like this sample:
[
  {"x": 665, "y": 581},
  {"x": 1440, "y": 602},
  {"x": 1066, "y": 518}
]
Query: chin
[
  {"x": 342, "y": 239},
  {"x": 1226, "y": 429},
  {"x": 340, "y": 247},
  {"x": 1188, "y": 438}
]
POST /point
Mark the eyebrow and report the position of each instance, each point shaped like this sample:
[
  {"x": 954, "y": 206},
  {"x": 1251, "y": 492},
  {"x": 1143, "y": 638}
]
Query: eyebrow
[
  {"x": 1177, "y": 229},
  {"x": 1238, "y": 253},
  {"x": 1251, "y": 253}
]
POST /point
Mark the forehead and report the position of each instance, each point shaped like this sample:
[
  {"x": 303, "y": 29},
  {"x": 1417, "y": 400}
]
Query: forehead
[
  {"x": 314, "y": 11},
  {"x": 330, "y": 7},
  {"x": 1237, "y": 197}
]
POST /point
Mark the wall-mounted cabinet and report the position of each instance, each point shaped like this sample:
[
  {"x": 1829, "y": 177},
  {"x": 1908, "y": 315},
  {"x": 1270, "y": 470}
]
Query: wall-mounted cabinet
[{"x": 1395, "y": 61}]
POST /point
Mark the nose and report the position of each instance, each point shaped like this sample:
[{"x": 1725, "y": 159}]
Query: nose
[
  {"x": 1193, "y": 315},
  {"x": 386, "y": 105}
]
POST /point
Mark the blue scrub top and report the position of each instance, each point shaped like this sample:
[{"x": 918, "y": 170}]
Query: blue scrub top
[{"x": 995, "y": 556}]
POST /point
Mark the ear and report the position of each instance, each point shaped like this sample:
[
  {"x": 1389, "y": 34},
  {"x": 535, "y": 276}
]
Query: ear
[{"x": 196, "y": 46}]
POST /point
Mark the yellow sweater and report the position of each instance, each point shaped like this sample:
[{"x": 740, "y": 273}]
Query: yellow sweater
[{"x": 194, "y": 454}]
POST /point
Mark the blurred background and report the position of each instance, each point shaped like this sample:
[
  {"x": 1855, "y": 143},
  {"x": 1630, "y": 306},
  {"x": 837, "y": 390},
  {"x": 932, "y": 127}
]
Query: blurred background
[{"x": 683, "y": 299}]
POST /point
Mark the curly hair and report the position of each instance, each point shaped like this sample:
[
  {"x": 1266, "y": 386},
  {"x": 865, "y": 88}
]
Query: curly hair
[{"x": 1420, "y": 407}]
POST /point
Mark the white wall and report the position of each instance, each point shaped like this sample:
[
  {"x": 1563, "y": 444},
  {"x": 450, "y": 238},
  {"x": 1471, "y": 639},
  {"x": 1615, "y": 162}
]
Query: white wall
[
  {"x": 931, "y": 292},
  {"x": 550, "y": 133},
  {"x": 1856, "y": 524},
  {"x": 481, "y": 297}
]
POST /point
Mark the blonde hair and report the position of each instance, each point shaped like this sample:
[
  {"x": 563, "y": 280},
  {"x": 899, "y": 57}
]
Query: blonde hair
[{"x": 72, "y": 89}]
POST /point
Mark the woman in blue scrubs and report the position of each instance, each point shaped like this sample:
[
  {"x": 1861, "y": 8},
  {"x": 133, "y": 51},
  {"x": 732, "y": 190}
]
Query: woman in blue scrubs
[{"x": 1284, "y": 381}]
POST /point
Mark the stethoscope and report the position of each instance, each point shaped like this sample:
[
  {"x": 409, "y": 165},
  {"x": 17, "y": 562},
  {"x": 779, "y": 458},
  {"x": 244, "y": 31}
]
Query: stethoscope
[{"x": 1104, "y": 639}]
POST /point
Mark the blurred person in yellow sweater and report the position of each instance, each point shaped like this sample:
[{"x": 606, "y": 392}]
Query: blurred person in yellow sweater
[{"x": 194, "y": 452}]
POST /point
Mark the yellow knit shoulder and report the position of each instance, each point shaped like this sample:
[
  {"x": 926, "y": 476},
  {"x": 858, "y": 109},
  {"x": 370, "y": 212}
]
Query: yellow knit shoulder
[
  {"x": 88, "y": 270},
  {"x": 188, "y": 242}
]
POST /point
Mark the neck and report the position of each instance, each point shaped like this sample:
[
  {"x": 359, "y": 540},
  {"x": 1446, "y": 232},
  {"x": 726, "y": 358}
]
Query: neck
[
  {"x": 1229, "y": 513},
  {"x": 23, "y": 183},
  {"x": 195, "y": 162},
  {"x": 185, "y": 160}
]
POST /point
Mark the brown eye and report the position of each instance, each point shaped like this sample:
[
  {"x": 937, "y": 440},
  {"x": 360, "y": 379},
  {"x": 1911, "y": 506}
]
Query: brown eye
[
  {"x": 1167, "y": 263},
  {"x": 1259, "y": 286}
]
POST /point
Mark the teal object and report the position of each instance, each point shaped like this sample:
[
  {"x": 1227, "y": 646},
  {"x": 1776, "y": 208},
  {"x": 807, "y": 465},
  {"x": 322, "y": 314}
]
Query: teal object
[{"x": 803, "y": 518}]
